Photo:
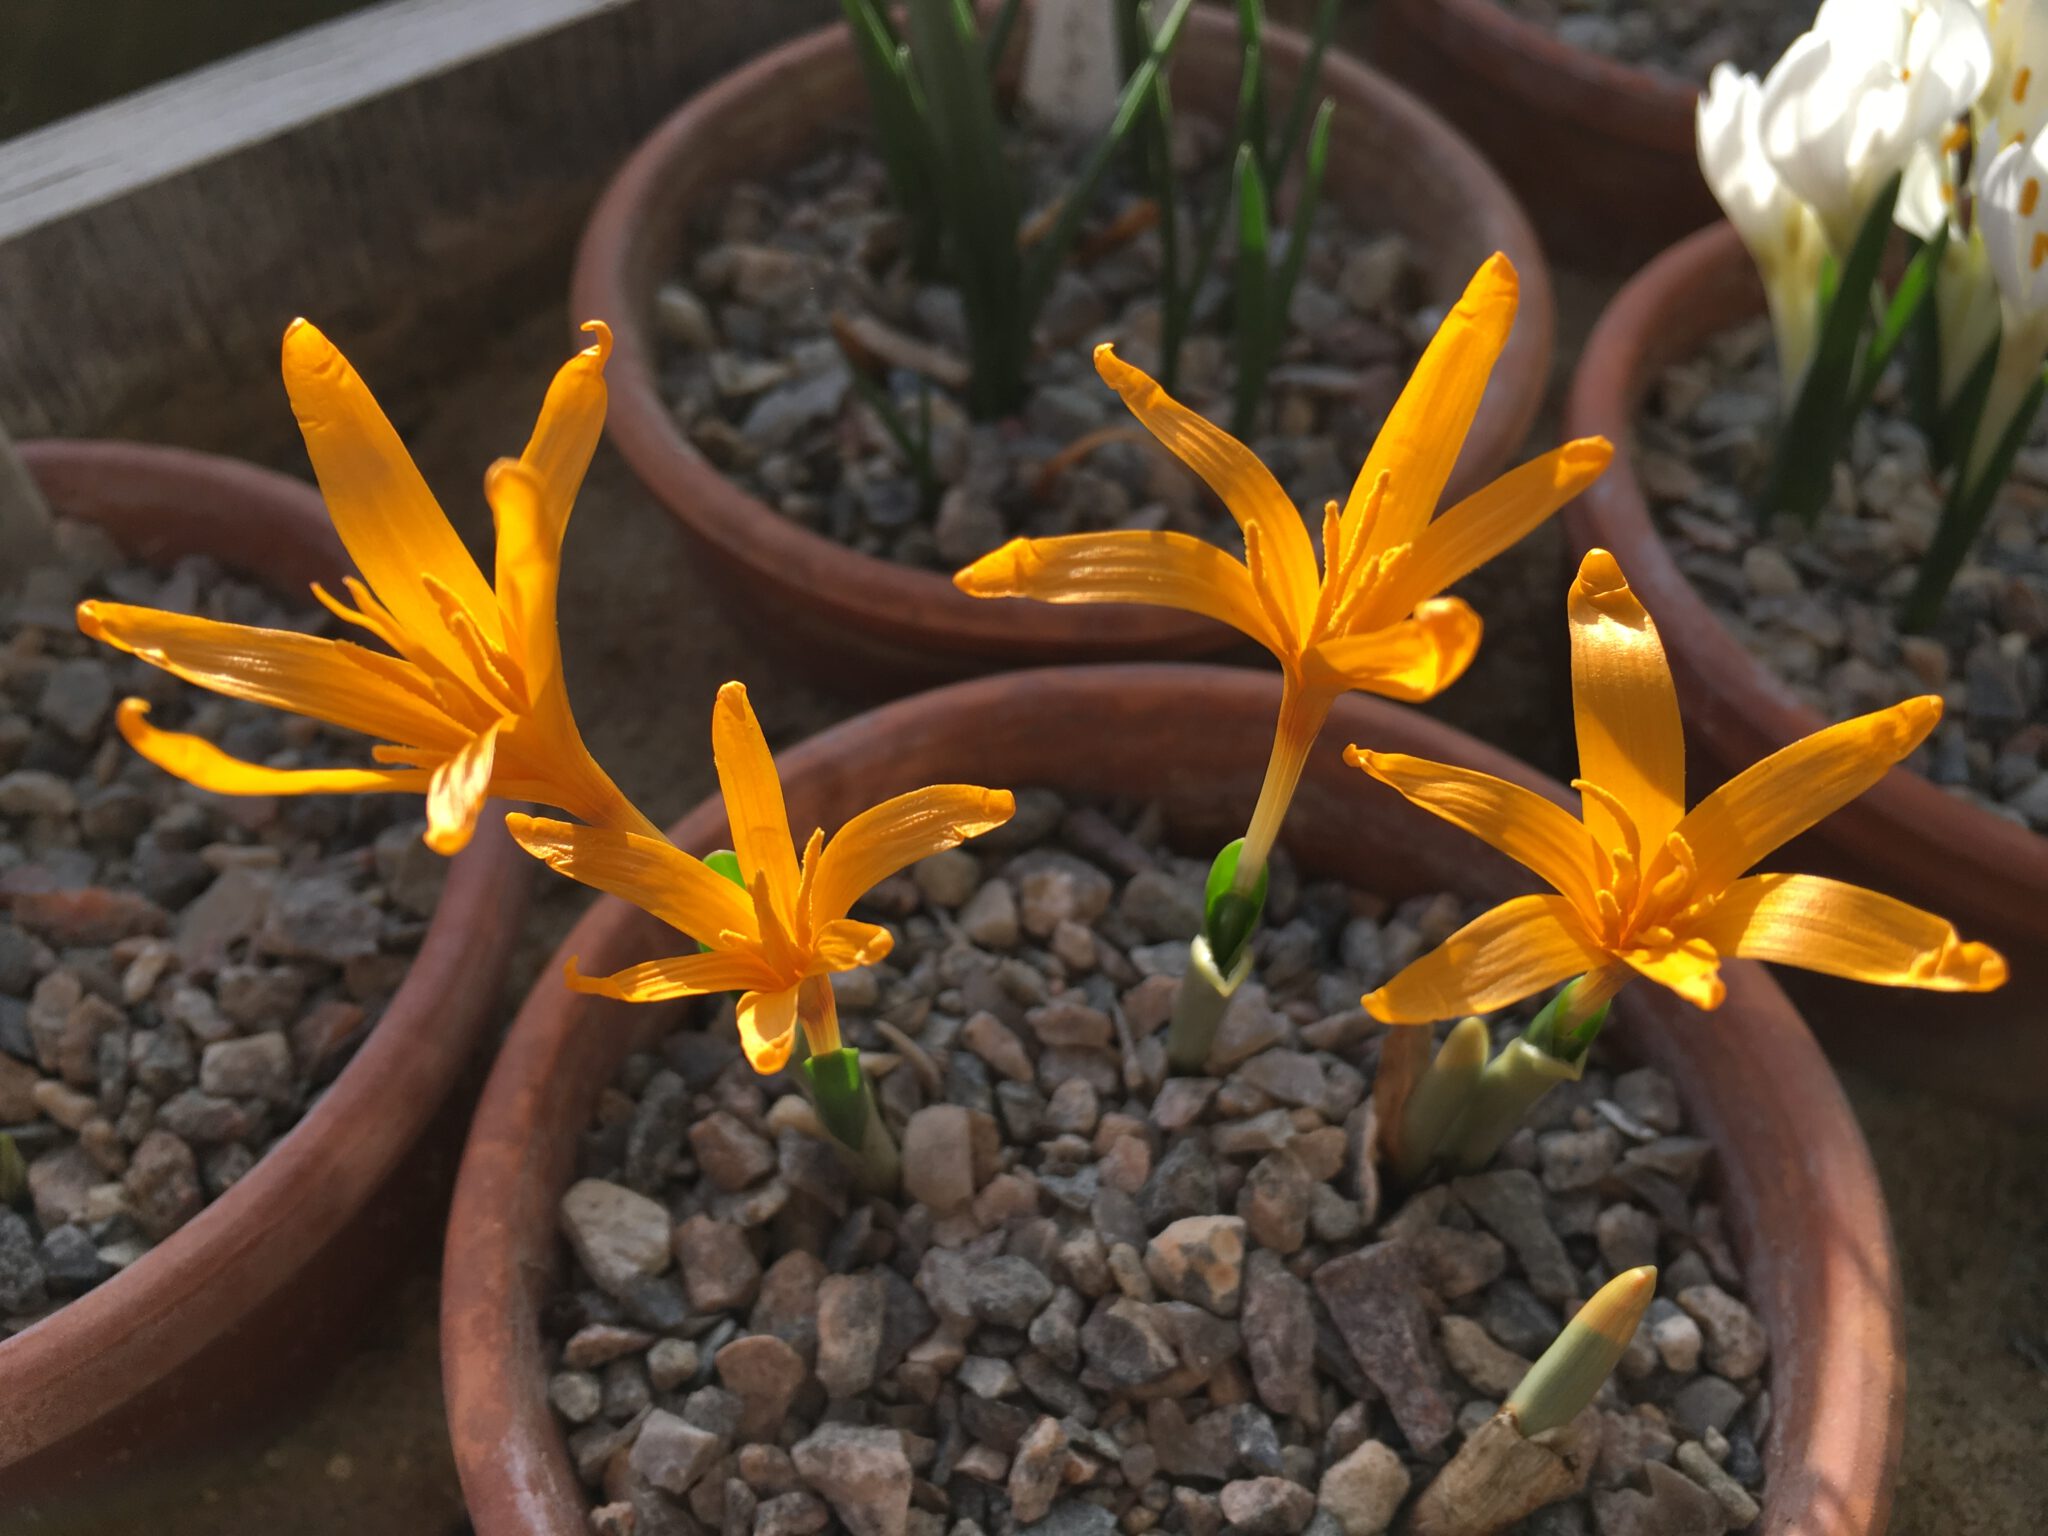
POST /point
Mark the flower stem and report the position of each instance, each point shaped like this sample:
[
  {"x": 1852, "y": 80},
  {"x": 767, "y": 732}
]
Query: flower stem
[
  {"x": 1506, "y": 1090},
  {"x": 1198, "y": 1007},
  {"x": 1439, "y": 1097},
  {"x": 844, "y": 1098},
  {"x": 1301, "y": 717}
]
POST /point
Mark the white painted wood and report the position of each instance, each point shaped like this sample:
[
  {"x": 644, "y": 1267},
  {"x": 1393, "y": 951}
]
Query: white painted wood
[{"x": 137, "y": 140}]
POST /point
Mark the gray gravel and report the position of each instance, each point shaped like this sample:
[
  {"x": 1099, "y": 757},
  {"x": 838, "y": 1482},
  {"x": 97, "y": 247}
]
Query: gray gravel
[
  {"x": 754, "y": 376},
  {"x": 1819, "y": 608},
  {"x": 180, "y": 973},
  {"x": 1109, "y": 1300}
]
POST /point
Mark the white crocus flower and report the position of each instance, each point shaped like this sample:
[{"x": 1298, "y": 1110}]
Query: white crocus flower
[
  {"x": 2012, "y": 218},
  {"x": 1782, "y": 234},
  {"x": 2014, "y": 106},
  {"x": 1965, "y": 297},
  {"x": 1851, "y": 100}
]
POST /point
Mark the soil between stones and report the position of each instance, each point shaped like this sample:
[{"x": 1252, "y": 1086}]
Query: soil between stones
[
  {"x": 180, "y": 973},
  {"x": 1819, "y": 607},
  {"x": 756, "y": 379},
  {"x": 1109, "y": 1300}
]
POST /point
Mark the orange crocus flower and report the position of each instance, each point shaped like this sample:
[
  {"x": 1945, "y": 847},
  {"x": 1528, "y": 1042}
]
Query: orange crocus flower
[
  {"x": 1373, "y": 618},
  {"x": 778, "y": 937},
  {"x": 473, "y": 703},
  {"x": 1643, "y": 887}
]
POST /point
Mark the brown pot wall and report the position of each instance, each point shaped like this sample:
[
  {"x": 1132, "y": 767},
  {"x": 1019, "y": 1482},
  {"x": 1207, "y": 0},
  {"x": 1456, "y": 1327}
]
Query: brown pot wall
[
  {"x": 876, "y": 626},
  {"x": 249, "y": 1302},
  {"x": 1907, "y": 836},
  {"x": 1797, "y": 1185},
  {"x": 1600, "y": 152}
]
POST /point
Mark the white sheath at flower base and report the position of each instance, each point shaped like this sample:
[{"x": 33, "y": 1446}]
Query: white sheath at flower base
[
  {"x": 1851, "y": 100},
  {"x": 2012, "y": 217},
  {"x": 1782, "y": 234}
]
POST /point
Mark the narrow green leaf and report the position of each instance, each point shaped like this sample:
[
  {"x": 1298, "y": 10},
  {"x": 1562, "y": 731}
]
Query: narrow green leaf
[
  {"x": 841, "y": 1093},
  {"x": 1955, "y": 432},
  {"x": 1320, "y": 32},
  {"x": 1253, "y": 312},
  {"x": 1817, "y": 424},
  {"x": 1251, "y": 38},
  {"x": 1962, "y": 519},
  {"x": 1923, "y": 380},
  {"x": 1302, "y": 223},
  {"x": 1230, "y": 917},
  {"x": 1915, "y": 287},
  {"x": 1050, "y": 254}
]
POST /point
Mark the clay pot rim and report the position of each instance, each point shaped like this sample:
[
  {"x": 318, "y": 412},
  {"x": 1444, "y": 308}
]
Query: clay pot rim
[
  {"x": 920, "y": 607},
  {"x": 143, "y": 1324},
  {"x": 1654, "y": 320},
  {"x": 1844, "y": 1351},
  {"x": 1652, "y": 105}
]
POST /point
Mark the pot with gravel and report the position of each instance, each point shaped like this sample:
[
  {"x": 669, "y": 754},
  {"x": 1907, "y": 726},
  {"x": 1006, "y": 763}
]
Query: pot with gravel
[
  {"x": 1587, "y": 109},
  {"x": 1113, "y": 1295},
  {"x": 810, "y": 406},
  {"x": 229, "y": 1029},
  {"x": 1770, "y": 638}
]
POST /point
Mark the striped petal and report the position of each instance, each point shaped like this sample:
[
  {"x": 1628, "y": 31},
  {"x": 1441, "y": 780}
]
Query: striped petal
[
  {"x": 1625, "y": 707},
  {"x": 1845, "y": 930},
  {"x": 199, "y": 762},
  {"x": 1162, "y": 569},
  {"x": 1425, "y": 430},
  {"x": 332, "y": 680},
  {"x": 753, "y": 798},
  {"x": 652, "y": 873},
  {"x": 896, "y": 834},
  {"x": 661, "y": 981},
  {"x": 1490, "y": 520},
  {"x": 390, "y": 523},
  {"x": 1412, "y": 660},
  {"x": 565, "y": 436},
  {"x": 1771, "y": 802},
  {"x": 1244, "y": 485},
  {"x": 1516, "y": 949},
  {"x": 458, "y": 791},
  {"x": 1536, "y": 832}
]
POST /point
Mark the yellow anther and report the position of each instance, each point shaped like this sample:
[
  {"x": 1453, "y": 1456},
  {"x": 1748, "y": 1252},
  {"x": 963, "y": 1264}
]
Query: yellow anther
[
  {"x": 2030, "y": 194},
  {"x": 1957, "y": 136},
  {"x": 2040, "y": 252},
  {"x": 2022, "y": 78}
]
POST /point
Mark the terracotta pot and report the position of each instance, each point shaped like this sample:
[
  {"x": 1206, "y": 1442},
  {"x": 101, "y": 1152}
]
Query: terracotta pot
[
  {"x": 876, "y": 625},
  {"x": 1819, "y": 1266},
  {"x": 1908, "y": 837},
  {"x": 258, "y": 1292},
  {"x": 1601, "y": 152}
]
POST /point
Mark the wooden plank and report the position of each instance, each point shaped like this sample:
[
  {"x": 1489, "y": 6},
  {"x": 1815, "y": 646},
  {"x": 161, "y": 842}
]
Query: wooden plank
[{"x": 405, "y": 176}]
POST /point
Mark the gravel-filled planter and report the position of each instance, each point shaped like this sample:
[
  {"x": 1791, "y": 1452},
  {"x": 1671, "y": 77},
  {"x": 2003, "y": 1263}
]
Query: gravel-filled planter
[
  {"x": 859, "y": 617},
  {"x": 1926, "y": 843},
  {"x": 1183, "y": 1375},
  {"x": 1601, "y": 150},
  {"x": 227, "y": 1026}
]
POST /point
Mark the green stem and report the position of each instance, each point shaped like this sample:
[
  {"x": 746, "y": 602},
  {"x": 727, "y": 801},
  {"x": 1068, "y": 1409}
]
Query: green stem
[
  {"x": 1440, "y": 1097},
  {"x": 1506, "y": 1091}
]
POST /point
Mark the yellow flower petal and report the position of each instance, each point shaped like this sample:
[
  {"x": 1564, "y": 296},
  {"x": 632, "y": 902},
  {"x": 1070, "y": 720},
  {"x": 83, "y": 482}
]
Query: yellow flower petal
[
  {"x": 332, "y": 680},
  {"x": 393, "y": 528},
  {"x": 1845, "y": 930},
  {"x": 1538, "y": 833},
  {"x": 458, "y": 791},
  {"x": 1420, "y": 442},
  {"x": 652, "y": 873},
  {"x": 199, "y": 762},
  {"x": 1773, "y": 801},
  {"x": 1501, "y": 956},
  {"x": 1626, "y": 709},
  {"x": 1412, "y": 660},
  {"x": 661, "y": 981},
  {"x": 1244, "y": 485},
  {"x": 1162, "y": 569},
  {"x": 767, "y": 1023},
  {"x": 565, "y": 436},
  {"x": 1490, "y": 520},
  {"x": 844, "y": 945},
  {"x": 753, "y": 798},
  {"x": 1691, "y": 968},
  {"x": 896, "y": 834}
]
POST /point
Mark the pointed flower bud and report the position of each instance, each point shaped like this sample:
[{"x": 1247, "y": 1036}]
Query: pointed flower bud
[{"x": 1568, "y": 1376}]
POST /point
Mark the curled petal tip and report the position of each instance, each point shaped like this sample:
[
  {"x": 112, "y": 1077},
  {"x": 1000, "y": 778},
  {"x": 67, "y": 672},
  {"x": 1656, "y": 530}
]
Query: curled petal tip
[
  {"x": 732, "y": 695},
  {"x": 1599, "y": 575},
  {"x": 129, "y": 716},
  {"x": 600, "y": 348},
  {"x": 999, "y": 805},
  {"x": 88, "y": 616},
  {"x": 305, "y": 345},
  {"x": 1590, "y": 452}
]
